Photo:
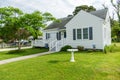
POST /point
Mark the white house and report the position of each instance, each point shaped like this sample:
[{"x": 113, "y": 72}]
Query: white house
[{"x": 88, "y": 29}]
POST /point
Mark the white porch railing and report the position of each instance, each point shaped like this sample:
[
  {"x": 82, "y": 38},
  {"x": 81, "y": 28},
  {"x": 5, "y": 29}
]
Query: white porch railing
[
  {"x": 38, "y": 43},
  {"x": 52, "y": 44},
  {"x": 56, "y": 45}
]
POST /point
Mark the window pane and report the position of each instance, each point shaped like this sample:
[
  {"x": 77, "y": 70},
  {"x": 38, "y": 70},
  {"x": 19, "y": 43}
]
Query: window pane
[
  {"x": 59, "y": 35},
  {"x": 64, "y": 34},
  {"x": 90, "y": 33},
  {"x": 85, "y": 33},
  {"x": 74, "y": 34},
  {"x": 79, "y": 34},
  {"x": 46, "y": 36}
]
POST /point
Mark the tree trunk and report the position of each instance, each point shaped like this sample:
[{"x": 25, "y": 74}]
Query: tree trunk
[{"x": 19, "y": 45}]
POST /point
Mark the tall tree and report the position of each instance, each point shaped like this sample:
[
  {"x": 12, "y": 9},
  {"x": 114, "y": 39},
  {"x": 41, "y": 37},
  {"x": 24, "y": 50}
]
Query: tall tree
[
  {"x": 83, "y": 7},
  {"x": 10, "y": 25},
  {"x": 117, "y": 10},
  {"x": 36, "y": 20},
  {"x": 14, "y": 25}
]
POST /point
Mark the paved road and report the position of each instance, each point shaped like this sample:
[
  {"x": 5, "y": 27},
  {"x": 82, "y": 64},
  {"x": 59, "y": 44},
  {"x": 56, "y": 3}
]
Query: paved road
[
  {"x": 9, "y": 49},
  {"x": 23, "y": 57}
]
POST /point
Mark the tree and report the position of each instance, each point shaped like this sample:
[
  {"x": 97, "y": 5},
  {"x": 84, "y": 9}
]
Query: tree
[
  {"x": 117, "y": 9},
  {"x": 36, "y": 20},
  {"x": 11, "y": 25},
  {"x": 83, "y": 7},
  {"x": 15, "y": 25},
  {"x": 115, "y": 30}
]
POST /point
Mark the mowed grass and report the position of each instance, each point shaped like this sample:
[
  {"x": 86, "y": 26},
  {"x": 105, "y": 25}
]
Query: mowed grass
[
  {"x": 23, "y": 52},
  {"x": 57, "y": 66}
]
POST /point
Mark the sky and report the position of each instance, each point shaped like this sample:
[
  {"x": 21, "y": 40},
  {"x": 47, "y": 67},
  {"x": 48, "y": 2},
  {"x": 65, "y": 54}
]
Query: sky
[{"x": 58, "y": 8}]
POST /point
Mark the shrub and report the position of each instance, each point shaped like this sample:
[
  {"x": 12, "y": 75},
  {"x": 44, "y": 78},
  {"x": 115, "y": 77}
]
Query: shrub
[
  {"x": 65, "y": 48},
  {"x": 106, "y": 49},
  {"x": 109, "y": 48},
  {"x": 80, "y": 48}
]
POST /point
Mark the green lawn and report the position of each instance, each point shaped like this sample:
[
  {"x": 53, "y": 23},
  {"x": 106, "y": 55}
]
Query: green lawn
[
  {"x": 56, "y": 66},
  {"x": 15, "y": 53}
]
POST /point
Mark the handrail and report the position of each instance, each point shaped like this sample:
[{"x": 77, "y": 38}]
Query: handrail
[{"x": 57, "y": 44}]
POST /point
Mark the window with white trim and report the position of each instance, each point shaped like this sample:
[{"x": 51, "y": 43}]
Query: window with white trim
[
  {"x": 85, "y": 33},
  {"x": 47, "y": 35},
  {"x": 79, "y": 34}
]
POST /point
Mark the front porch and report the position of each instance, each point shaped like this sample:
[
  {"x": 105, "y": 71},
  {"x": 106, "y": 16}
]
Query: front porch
[{"x": 54, "y": 40}]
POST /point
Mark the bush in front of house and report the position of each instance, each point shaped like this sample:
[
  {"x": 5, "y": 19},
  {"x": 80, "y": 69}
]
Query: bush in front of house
[
  {"x": 80, "y": 48},
  {"x": 109, "y": 48},
  {"x": 65, "y": 48},
  {"x": 106, "y": 49}
]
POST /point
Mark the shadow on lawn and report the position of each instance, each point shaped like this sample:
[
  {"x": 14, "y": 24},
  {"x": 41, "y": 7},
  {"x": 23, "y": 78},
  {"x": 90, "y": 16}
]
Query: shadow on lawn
[
  {"x": 53, "y": 61},
  {"x": 57, "y": 61},
  {"x": 16, "y": 52}
]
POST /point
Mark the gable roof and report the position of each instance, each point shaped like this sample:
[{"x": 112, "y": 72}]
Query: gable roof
[
  {"x": 61, "y": 24},
  {"x": 100, "y": 13},
  {"x": 63, "y": 21}
]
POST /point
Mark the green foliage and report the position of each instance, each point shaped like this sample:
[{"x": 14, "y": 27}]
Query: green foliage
[
  {"x": 83, "y": 7},
  {"x": 80, "y": 48},
  {"x": 35, "y": 21},
  {"x": 117, "y": 9},
  {"x": 10, "y": 23},
  {"x": 65, "y": 48},
  {"x": 111, "y": 48},
  {"x": 16, "y": 25}
]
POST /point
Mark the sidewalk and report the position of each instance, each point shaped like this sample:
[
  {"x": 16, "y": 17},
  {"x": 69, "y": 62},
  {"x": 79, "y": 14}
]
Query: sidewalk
[
  {"x": 9, "y": 49},
  {"x": 23, "y": 57}
]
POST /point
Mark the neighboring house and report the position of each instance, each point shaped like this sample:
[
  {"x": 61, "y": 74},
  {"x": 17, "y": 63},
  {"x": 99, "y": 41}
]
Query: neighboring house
[{"x": 88, "y": 29}]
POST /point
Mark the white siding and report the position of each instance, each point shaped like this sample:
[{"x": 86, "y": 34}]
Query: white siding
[
  {"x": 52, "y": 35},
  {"x": 107, "y": 27},
  {"x": 86, "y": 20}
]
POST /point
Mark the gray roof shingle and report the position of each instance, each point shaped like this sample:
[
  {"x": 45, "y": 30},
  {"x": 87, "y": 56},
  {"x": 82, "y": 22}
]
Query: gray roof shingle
[
  {"x": 61, "y": 24},
  {"x": 100, "y": 13},
  {"x": 63, "y": 21}
]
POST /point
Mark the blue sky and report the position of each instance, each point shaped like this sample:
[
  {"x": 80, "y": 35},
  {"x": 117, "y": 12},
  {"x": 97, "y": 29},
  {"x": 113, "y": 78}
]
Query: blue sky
[{"x": 59, "y": 8}]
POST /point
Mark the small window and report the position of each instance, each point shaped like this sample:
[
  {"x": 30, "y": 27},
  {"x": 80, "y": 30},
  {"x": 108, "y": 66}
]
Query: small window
[
  {"x": 74, "y": 34},
  {"x": 58, "y": 35},
  {"x": 64, "y": 34},
  {"x": 85, "y": 33},
  {"x": 90, "y": 33},
  {"x": 79, "y": 35},
  {"x": 47, "y": 35}
]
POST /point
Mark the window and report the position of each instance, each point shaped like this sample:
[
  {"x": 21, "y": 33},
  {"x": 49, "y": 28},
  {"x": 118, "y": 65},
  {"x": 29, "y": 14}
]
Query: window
[
  {"x": 79, "y": 35},
  {"x": 74, "y": 34},
  {"x": 64, "y": 34},
  {"x": 90, "y": 33},
  {"x": 47, "y": 35},
  {"x": 58, "y": 35},
  {"x": 85, "y": 33}
]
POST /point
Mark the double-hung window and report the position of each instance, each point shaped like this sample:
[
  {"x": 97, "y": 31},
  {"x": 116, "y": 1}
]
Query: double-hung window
[
  {"x": 90, "y": 33},
  {"x": 79, "y": 34},
  {"x": 85, "y": 33},
  {"x": 47, "y": 35}
]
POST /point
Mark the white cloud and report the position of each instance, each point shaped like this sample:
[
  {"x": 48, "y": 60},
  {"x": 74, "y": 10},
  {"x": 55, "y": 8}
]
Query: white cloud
[{"x": 59, "y": 8}]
